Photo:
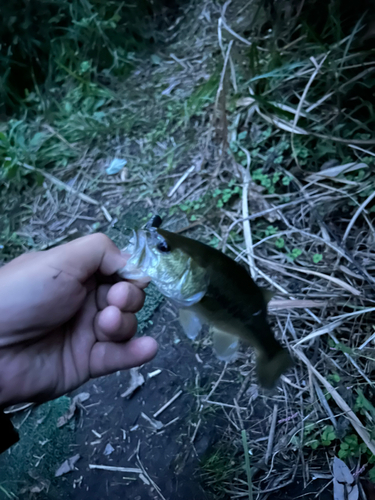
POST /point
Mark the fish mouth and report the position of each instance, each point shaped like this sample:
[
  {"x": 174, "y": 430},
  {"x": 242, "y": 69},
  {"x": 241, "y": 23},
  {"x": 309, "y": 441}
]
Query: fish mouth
[
  {"x": 145, "y": 263},
  {"x": 142, "y": 258}
]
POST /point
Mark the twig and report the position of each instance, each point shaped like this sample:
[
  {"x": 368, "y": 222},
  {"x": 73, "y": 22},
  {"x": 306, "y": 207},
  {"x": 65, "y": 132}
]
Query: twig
[
  {"x": 357, "y": 214},
  {"x": 61, "y": 184},
  {"x": 229, "y": 29},
  {"x": 324, "y": 403},
  {"x": 112, "y": 468},
  {"x": 246, "y": 179},
  {"x": 272, "y": 433},
  {"x": 152, "y": 482},
  {"x": 361, "y": 149},
  {"x": 224, "y": 405},
  {"x": 217, "y": 382},
  {"x": 306, "y": 89},
  {"x": 107, "y": 215},
  {"x": 195, "y": 431},
  {"x": 177, "y": 395},
  {"x": 181, "y": 180},
  {"x": 238, "y": 411}
]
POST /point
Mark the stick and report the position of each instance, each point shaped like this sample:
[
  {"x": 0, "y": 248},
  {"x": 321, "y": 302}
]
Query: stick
[
  {"x": 272, "y": 433},
  {"x": 61, "y": 184},
  {"x": 356, "y": 215},
  {"x": 116, "y": 469},
  {"x": 246, "y": 179},
  {"x": 180, "y": 181},
  {"x": 156, "y": 414}
]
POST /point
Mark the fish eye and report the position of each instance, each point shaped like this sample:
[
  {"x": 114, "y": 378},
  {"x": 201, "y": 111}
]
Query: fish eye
[{"x": 163, "y": 247}]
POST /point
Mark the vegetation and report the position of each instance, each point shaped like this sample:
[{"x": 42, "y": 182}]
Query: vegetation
[{"x": 270, "y": 90}]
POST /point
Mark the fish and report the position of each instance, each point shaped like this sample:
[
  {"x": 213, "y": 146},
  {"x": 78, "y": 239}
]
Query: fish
[{"x": 211, "y": 288}]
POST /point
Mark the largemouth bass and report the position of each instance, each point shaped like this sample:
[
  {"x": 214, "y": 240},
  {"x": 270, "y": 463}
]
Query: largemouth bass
[{"x": 209, "y": 288}]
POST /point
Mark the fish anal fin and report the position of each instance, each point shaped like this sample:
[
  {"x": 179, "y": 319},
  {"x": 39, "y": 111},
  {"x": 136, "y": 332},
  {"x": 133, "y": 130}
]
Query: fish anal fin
[
  {"x": 190, "y": 322},
  {"x": 225, "y": 344},
  {"x": 267, "y": 294}
]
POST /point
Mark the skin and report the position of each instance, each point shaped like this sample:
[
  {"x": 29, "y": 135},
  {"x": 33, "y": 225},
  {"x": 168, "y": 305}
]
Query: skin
[{"x": 64, "y": 319}]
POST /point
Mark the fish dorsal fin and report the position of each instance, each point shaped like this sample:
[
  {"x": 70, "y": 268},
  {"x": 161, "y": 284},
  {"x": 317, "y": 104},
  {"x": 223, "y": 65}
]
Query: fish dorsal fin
[
  {"x": 225, "y": 344},
  {"x": 190, "y": 322},
  {"x": 267, "y": 294}
]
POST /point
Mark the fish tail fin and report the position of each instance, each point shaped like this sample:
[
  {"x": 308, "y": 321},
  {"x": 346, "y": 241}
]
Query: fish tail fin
[{"x": 270, "y": 369}]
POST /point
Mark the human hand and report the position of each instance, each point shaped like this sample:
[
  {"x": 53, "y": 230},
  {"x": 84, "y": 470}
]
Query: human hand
[{"x": 62, "y": 322}]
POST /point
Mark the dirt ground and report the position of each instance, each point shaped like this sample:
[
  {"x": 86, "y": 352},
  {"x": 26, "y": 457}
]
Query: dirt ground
[{"x": 171, "y": 457}]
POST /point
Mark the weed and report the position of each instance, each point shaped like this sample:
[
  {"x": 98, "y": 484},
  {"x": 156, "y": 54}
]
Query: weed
[
  {"x": 317, "y": 257},
  {"x": 224, "y": 195},
  {"x": 295, "y": 253},
  {"x": 351, "y": 447},
  {"x": 218, "y": 468}
]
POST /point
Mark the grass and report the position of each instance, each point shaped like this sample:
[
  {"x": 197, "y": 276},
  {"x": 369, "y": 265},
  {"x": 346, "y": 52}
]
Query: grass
[{"x": 297, "y": 107}]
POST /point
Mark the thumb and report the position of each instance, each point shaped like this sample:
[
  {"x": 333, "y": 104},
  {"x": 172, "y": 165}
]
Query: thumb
[{"x": 87, "y": 255}]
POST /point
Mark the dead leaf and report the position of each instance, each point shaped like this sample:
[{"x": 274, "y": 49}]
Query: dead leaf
[
  {"x": 333, "y": 172},
  {"x": 136, "y": 380},
  {"x": 76, "y": 401},
  {"x": 67, "y": 466},
  {"x": 344, "y": 487},
  {"x": 108, "y": 449},
  {"x": 156, "y": 424},
  {"x": 42, "y": 485},
  {"x": 258, "y": 203}
]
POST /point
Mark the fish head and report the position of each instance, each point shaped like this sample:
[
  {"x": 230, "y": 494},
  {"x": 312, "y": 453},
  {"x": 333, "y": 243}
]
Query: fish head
[{"x": 174, "y": 272}]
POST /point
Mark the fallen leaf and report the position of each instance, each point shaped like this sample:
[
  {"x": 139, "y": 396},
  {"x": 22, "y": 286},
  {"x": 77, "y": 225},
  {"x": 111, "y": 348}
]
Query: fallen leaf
[
  {"x": 344, "y": 487},
  {"x": 136, "y": 380},
  {"x": 156, "y": 424},
  {"x": 336, "y": 171},
  {"x": 259, "y": 203},
  {"x": 108, "y": 449},
  {"x": 76, "y": 401},
  {"x": 67, "y": 466},
  {"x": 116, "y": 165}
]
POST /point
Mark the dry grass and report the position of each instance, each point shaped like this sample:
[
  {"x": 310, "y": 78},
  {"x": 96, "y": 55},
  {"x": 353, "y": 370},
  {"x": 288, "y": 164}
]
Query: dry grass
[
  {"x": 320, "y": 247},
  {"x": 292, "y": 198}
]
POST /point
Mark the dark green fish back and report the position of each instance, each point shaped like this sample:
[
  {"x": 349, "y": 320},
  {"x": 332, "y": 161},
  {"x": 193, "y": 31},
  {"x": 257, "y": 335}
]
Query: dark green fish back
[{"x": 233, "y": 299}]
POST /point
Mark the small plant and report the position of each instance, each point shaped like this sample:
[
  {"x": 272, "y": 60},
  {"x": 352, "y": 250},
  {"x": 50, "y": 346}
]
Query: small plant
[
  {"x": 317, "y": 258},
  {"x": 328, "y": 435},
  {"x": 295, "y": 253},
  {"x": 270, "y": 230},
  {"x": 280, "y": 243},
  {"x": 224, "y": 195},
  {"x": 350, "y": 447},
  {"x": 315, "y": 437},
  {"x": 363, "y": 405}
]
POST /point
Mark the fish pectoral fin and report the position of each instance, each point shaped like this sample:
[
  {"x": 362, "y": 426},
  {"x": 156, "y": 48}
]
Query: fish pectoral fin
[
  {"x": 267, "y": 294},
  {"x": 225, "y": 344},
  {"x": 190, "y": 323}
]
